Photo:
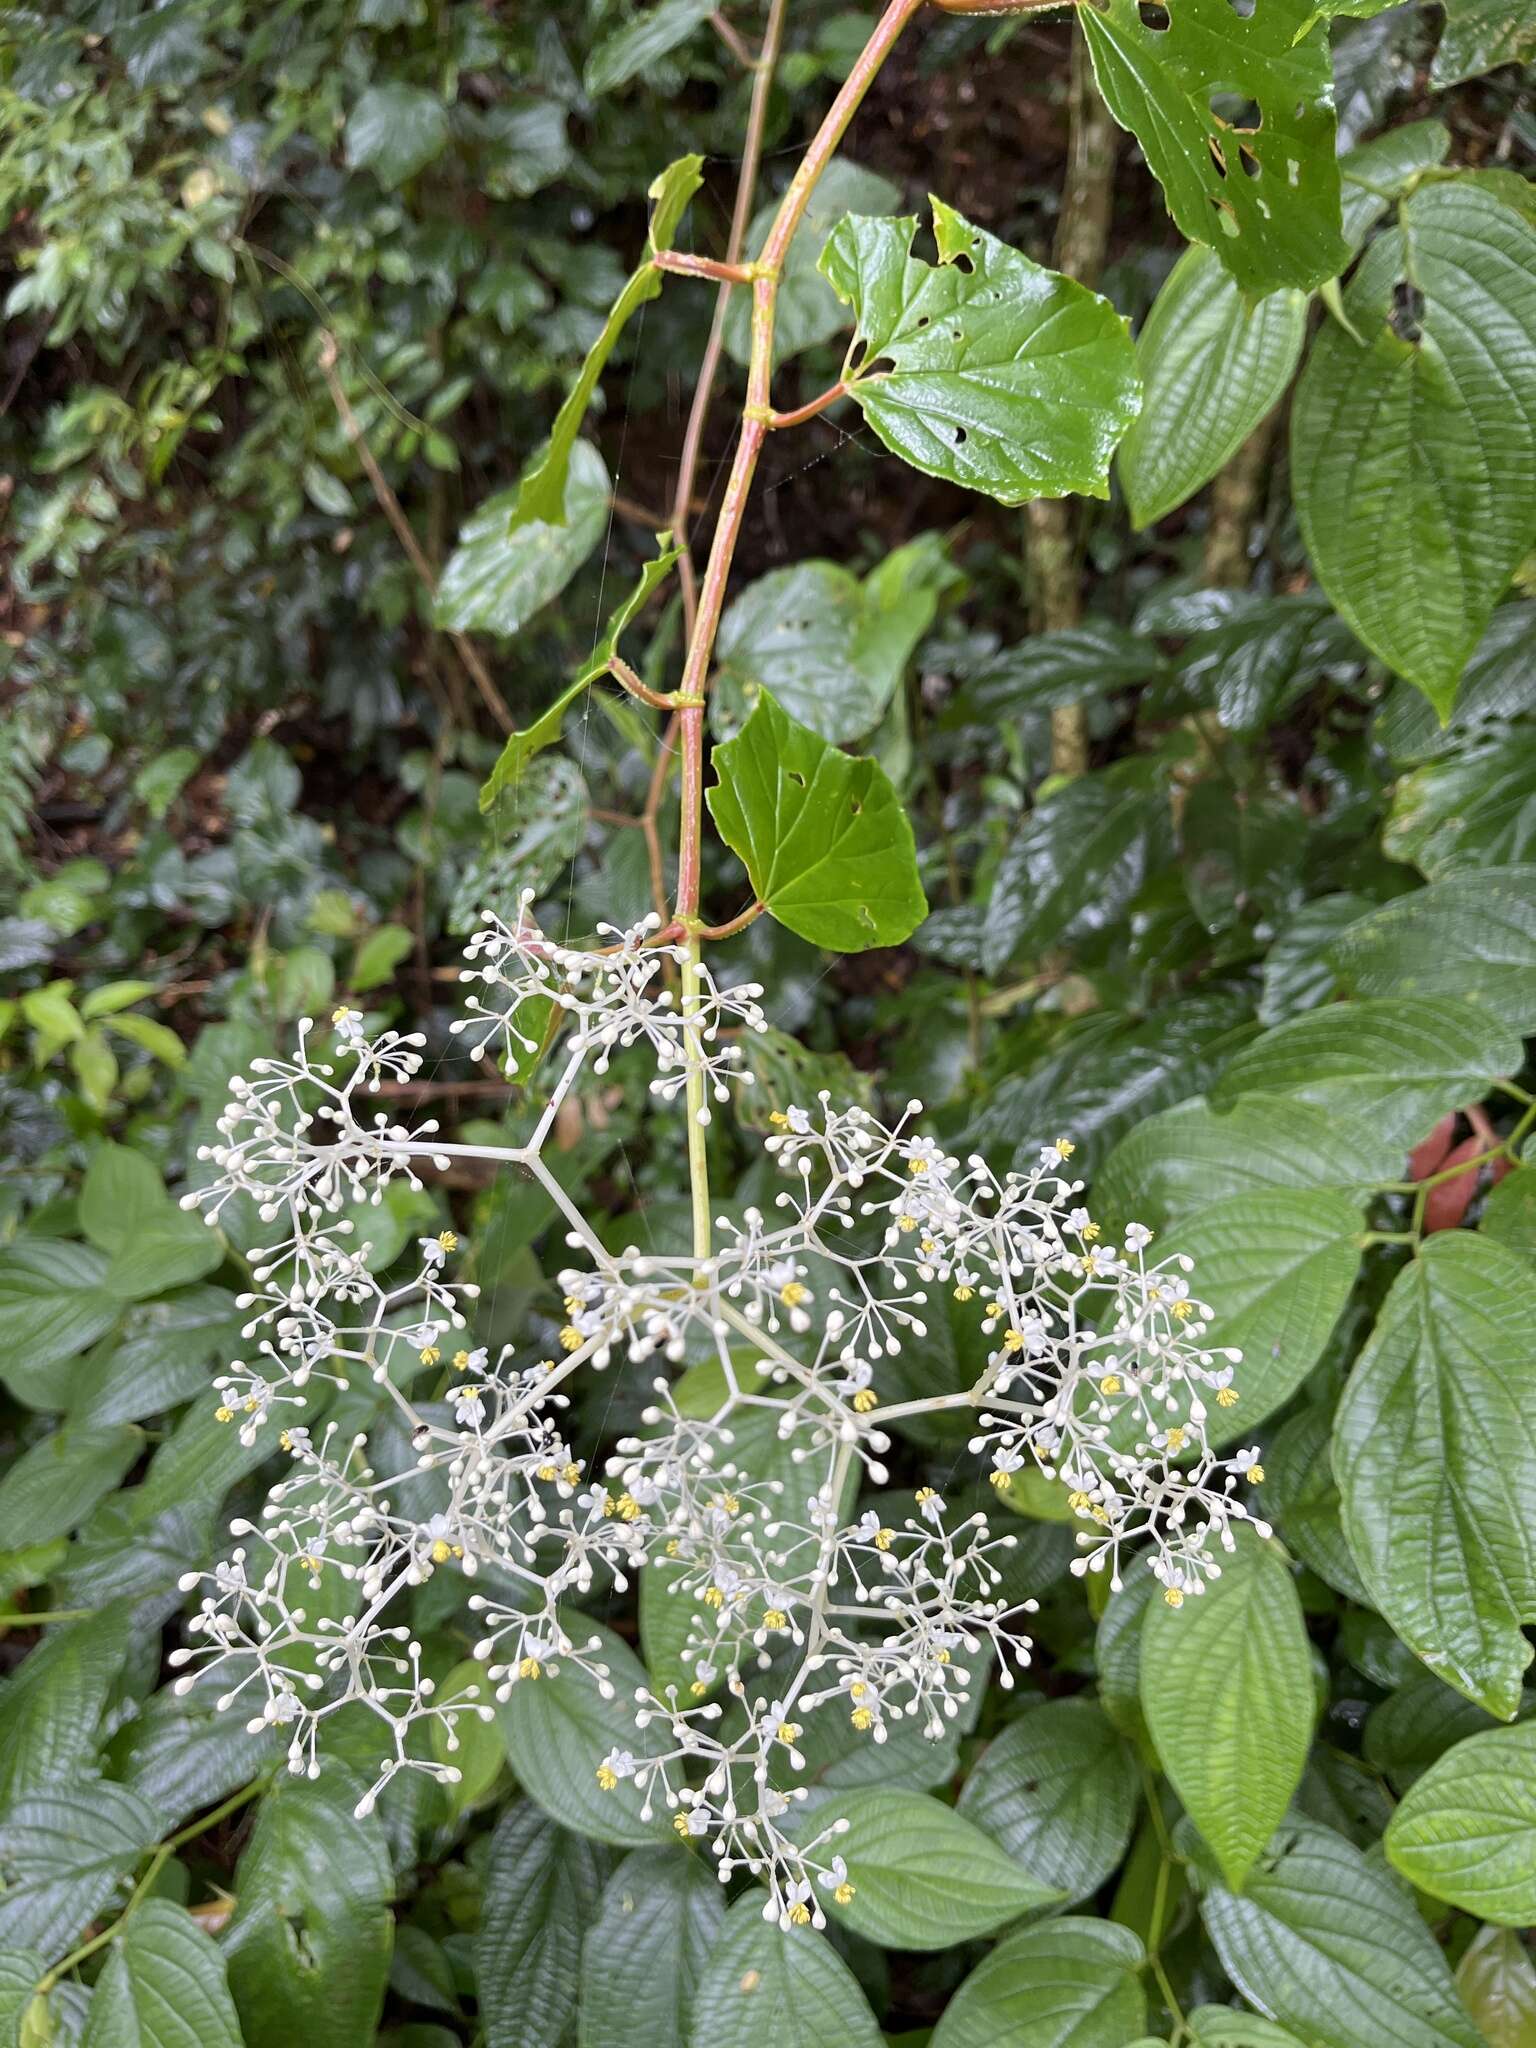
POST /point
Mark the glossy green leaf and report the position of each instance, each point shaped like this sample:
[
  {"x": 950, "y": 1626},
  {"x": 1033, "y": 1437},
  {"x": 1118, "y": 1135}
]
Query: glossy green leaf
[
  {"x": 163, "y": 1987},
  {"x": 1509, "y": 1213},
  {"x": 171, "y": 1249},
  {"x": 181, "y": 1754},
  {"x": 1400, "y": 1064},
  {"x": 1499, "y": 682},
  {"x": 1276, "y": 1267},
  {"x": 51, "y": 1709},
  {"x": 53, "y": 1303},
  {"x": 541, "y": 1893},
  {"x": 20, "y": 1970},
  {"x": 792, "y": 1989},
  {"x": 1416, "y": 1724},
  {"x": 308, "y": 1946},
  {"x": 1057, "y": 1790},
  {"x": 1301, "y": 1497},
  {"x": 494, "y": 579},
  {"x": 1471, "y": 810},
  {"x": 823, "y": 837},
  {"x": 395, "y": 130},
  {"x": 1067, "y": 1983},
  {"x": 1435, "y": 1450},
  {"x": 1212, "y": 367},
  {"x": 1471, "y": 937},
  {"x": 1497, "y": 1981},
  {"x": 1479, "y": 36},
  {"x": 558, "y": 1728},
  {"x": 1328, "y": 1943},
  {"x": 829, "y": 649},
  {"x": 1226, "y": 1686},
  {"x": 1217, "y": 2026},
  {"x": 1066, "y": 667},
  {"x": 1466, "y": 1831},
  {"x": 923, "y": 1876},
  {"x": 807, "y": 311},
  {"x": 1076, "y": 863},
  {"x": 122, "y": 1193},
  {"x": 1380, "y": 171},
  {"x": 1264, "y": 196},
  {"x": 658, "y": 1925},
  {"x": 1413, "y": 448},
  {"x": 639, "y": 40},
  {"x": 1297, "y": 974},
  {"x": 546, "y": 728},
  {"x": 543, "y": 495},
  {"x": 66, "y": 1853},
  {"x": 985, "y": 369},
  {"x": 1181, "y": 1161}
]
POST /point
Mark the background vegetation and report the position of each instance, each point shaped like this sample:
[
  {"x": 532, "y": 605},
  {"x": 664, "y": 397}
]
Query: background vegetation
[{"x": 296, "y": 291}]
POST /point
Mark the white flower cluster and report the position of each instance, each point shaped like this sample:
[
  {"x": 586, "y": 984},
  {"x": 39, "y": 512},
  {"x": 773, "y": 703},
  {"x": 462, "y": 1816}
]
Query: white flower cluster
[{"x": 806, "y": 1616}]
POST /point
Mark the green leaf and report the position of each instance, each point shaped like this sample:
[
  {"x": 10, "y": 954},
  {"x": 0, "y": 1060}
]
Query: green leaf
[
  {"x": 1413, "y": 449},
  {"x": 64, "y": 1853},
  {"x": 793, "y": 1990},
  {"x": 545, "y": 730},
  {"x": 494, "y": 579},
  {"x": 1509, "y": 1212},
  {"x": 1226, "y": 1686},
  {"x": 1499, "y": 683},
  {"x": 1480, "y": 35},
  {"x": 1057, "y": 1790},
  {"x": 636, "y": 44},
  {"x": 158, "y": 1040},
  {"x": 1264, "y": 196},
  {"x": 181, "y": 1754},
  {"x": 1416, "y": 1724},
  {"x": 541, "y": 1890},
  {"x": 1048, "y": 669},
  {"x": 169, "y": 1251},
  {"x": 308, "y": 1946},
  {"x": 986, "y": 370},
  {"x": 559, "y": 1727},
  {"x": 52, "y": 1487},
  {"x": 1435, "y": 1450},
  {"x": 94, "y": 1065},
  {"x": 51, "y": 1710},
  {"x": 473, "y": 1747},
  {"x": 1217, "y": 2026},
  {"x": 1466, "y": 1831},
  {"x": 1400, "y": 1064},
  {"x": 20, "y": 1969},
  {"x": 543, "y": 496},
  {"x": 807, "y": 312},
  {"x": 1181, "y": 1161},
  {"x": 121, "y": 1191},
  {"x": 829, "y": 649},
  {"x": 823, "y": 838},
  {"x": 923, "y": 1876},
  {"x": 1497, "y": 1981},
  {"x": 1471, "y": 936},
  {"x": 1084, "y": 853},
  {"x": 1066, "y": 1984},
  {"x": 52, "y": 1305},
  {"x": 1301, "y": 1497},
  {"x": 395, "y": 131},
  {"x": 1329, "y": 1944},
  {"x": 1212, "y": 367},
  {"x": 1277, "y": 1268},
  {"x": 162, "y": 1358},
  {"x": 378, "y": 956},
  {"x": 1470, "y": 810},
  {"x": 163, "y": 1987},
  {"x": 1384, "y": 169},
  {"x": 658, "y": 1925}
]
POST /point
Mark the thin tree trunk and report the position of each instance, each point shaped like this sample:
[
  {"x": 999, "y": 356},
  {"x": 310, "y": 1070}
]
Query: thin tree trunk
[{"x": 1235, "y": 499}]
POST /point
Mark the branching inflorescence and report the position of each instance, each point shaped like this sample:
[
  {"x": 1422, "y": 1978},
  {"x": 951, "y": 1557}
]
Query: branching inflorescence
[{"x": 801, "y": 1600}]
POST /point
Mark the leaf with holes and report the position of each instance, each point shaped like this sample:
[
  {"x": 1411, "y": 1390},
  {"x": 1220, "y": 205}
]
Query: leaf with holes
[
  {"x": 1233, "y": 107},
  {"x": 984, "y": 369},
  {"x": 823, "y": 837},
  {"x": 1212, "y": 368},
  {"x": 1413, "y": 447}
]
